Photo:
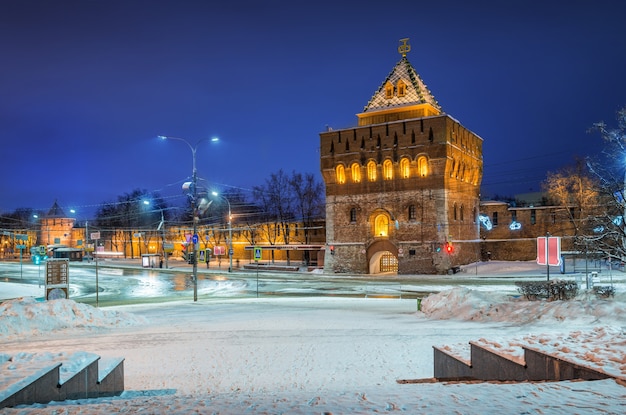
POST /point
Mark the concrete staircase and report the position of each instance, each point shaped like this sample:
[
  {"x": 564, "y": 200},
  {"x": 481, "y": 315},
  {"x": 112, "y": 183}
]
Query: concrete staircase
[
  {"x": 29, "y": 378},
  {"x": 487, "y": 365}
]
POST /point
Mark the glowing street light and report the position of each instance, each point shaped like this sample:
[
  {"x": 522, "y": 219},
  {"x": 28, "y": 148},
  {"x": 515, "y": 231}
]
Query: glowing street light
[{"x": 194, "y": 196}]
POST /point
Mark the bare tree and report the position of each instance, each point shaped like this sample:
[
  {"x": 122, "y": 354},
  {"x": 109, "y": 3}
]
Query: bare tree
[
  {"x": 608, "y": 232},
  {"x": 284, "y": 200},
  {"x": 276, "y": 202},
  {"x": 575, "y": 190},
  {"x": 309, "y": 203},
  {"x": 130, "y": 215}
]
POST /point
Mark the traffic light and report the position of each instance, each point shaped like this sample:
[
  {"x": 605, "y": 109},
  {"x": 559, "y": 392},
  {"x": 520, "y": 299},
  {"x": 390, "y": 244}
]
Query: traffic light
[
  {"x": 332, "y": 250},
  {"x": 187, "y": 253},
  {"x": 449, "y": 248}
]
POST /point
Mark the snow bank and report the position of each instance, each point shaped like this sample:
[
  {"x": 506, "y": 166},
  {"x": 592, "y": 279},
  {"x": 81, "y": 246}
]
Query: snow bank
[
  {"x": 471, "y": 305},
  {"x": 27, "y": 315}
]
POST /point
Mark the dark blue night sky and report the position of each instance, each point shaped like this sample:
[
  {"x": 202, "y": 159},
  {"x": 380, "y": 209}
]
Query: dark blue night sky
[{"x": 86, "y": 86}]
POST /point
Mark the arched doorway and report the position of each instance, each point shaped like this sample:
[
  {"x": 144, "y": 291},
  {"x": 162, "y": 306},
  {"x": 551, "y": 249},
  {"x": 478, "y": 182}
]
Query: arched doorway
[
  {"x": 383, "y": 262},
  {"x": 382, "y": 257}
]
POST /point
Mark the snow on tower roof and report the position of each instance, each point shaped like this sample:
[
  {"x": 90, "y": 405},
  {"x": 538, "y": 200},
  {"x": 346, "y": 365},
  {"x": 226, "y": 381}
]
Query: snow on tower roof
[{"x": 403, "y": 75}]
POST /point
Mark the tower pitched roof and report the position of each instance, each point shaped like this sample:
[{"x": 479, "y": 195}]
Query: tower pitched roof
[
  {"x": 415, "y": 90},
  {"x": 56, "y": 211}
]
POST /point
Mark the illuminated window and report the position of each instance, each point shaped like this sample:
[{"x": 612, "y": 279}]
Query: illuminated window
[
  {"x": 388, "y": 90},
  {"x": 388, "y": 170},
  {"x": 381, "y": 225},
  {"x": 401, "y": 88},
  {"x": 341, "y": 174},
  {"x": 356, "y": 172},
  {"x": 422, "y": 166},
  {"x": 371, "y": 171},
  {"x": 405, "y": 168}
]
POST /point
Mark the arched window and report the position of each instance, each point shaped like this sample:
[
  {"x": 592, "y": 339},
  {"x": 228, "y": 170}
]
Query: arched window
[
  {"x": 405, "y": 168},
  {"x": 422, "y": 166},
  {"x": 453, "y": 167},
  {"x": 371, "y": 171},
  {"x": 387, "y": 170},
  {"x": 356, "y": 172},
  {"x": 341, "y": 174},
  {"x": 381, "y": 225}
]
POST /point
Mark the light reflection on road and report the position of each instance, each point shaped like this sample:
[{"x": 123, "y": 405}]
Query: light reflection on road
[{"x": 125, "y": 285}]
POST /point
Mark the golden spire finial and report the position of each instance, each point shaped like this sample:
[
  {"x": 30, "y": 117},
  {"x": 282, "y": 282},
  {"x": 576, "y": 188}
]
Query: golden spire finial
[{"x": 404, "y": 48}]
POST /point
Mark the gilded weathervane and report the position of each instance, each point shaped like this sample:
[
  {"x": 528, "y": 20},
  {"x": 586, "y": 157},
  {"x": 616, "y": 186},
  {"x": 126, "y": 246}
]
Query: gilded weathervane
[{"x": 404, "y": 48}]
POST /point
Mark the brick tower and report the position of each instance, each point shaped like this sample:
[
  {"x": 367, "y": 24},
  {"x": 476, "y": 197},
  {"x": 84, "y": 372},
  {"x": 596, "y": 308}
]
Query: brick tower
[{"x": 402, "y": 187}]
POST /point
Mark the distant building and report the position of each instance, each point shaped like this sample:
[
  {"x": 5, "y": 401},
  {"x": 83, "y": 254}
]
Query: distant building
[
  {"x": 403, "y": 185},
  {"x": 56, "y": 228},
  {"x": 509, "y": 233}
]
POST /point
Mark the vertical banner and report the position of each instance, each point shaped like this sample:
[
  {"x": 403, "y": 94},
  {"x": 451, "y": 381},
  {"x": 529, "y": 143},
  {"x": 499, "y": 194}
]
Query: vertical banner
[
  {"x": 554, "y": 250},
  {"x": 542, "y": 251},
  {"x": 549, "y": 250}
]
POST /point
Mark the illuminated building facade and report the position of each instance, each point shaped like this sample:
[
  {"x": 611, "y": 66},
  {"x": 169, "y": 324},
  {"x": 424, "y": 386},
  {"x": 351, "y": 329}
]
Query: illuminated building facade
[
  {"x": 402, "y": 187},
  {"x": 509, "y": 233},
  {"x": 56, "y": 228}
]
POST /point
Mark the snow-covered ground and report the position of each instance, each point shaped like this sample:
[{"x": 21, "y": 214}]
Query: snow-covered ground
[{"x": 322, "y": 355}]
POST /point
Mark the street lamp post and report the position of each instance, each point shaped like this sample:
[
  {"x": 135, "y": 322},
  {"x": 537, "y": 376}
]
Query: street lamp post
[
  {"x": 230, "y": 233},
  {"x": 162, "y": 226},
  {"x": 194, "y": 196}
]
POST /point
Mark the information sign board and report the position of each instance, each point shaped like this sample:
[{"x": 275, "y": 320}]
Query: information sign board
[
  {"x": 57, "y": 272},
  {"x": 57, "y": 278}
]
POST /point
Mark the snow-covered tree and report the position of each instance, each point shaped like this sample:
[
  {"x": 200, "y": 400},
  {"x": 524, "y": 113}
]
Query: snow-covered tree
[{"x": 606, "y": 233}]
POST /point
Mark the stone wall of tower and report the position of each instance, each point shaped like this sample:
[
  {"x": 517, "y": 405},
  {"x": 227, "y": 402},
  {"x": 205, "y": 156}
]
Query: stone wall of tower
[
  {"x": 426, "y": 210},
  {"x": 56, "y": 231}
]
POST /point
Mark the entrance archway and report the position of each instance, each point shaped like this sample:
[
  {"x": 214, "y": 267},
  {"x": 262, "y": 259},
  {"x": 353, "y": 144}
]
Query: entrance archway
[{"x": 382, "y": 257}]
